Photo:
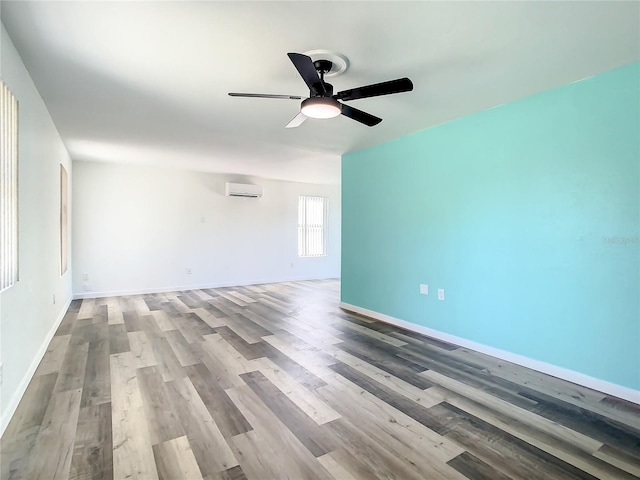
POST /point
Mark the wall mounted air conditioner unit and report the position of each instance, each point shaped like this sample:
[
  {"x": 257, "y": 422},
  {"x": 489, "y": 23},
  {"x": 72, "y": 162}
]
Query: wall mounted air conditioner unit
[{"x": 243, "y": 190}]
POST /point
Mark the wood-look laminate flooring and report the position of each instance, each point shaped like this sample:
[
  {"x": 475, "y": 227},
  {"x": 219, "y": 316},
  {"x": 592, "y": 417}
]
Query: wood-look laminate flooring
[{"x": 275, "y": 381}]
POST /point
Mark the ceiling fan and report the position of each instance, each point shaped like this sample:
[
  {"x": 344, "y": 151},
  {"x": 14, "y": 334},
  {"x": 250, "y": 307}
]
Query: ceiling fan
[{"x": 322, "y": 103}]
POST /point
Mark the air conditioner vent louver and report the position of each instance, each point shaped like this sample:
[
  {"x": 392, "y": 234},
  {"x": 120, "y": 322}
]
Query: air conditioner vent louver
[{"x": 243, "y": 190}]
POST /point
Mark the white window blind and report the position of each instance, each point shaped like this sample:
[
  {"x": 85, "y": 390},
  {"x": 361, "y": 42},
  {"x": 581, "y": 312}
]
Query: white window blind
[
  {"x": 312, "y": 226},
  {"x": 9, "y": 192}
]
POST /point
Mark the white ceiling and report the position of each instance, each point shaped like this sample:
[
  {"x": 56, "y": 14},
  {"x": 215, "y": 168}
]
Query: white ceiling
[{"x": 147, "y": 82}]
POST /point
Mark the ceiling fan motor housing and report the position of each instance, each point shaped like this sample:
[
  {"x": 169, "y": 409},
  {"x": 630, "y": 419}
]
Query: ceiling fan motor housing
[{"x": 316, "y": 91}]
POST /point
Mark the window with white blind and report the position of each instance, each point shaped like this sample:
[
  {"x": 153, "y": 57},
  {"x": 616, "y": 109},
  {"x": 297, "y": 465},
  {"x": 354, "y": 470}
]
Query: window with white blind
[
  {"x": 9, "y": 192},
  {"x": 312, "y": 226}
]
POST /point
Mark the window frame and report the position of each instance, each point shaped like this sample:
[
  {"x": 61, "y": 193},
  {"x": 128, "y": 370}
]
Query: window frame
[
  {"x": 9, "y": 111},
  {"x": 307, "y": 247}
]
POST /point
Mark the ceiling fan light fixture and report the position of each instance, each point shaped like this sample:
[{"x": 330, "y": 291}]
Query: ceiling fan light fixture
[{"x": 321, "y": 107}]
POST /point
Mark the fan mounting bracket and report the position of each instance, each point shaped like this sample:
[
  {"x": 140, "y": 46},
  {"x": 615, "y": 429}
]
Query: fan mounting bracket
[
  {"x": 323, "y": 66},
  {"x": 339, "y": 63}
]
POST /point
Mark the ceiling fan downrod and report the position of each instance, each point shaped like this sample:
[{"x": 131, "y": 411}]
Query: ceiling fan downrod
[{"x": 322, "y": 67}]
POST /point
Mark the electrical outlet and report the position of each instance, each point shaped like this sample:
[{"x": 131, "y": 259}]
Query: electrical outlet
[
  {"x": 54, "y": 298},
  {"x": 424, "y": 289},
  {"x": 85, "y": 277},
  {"x": 87, "y": 287},
  {"x": 441, "y": 294},
  {"x": 188, "y": 271}
]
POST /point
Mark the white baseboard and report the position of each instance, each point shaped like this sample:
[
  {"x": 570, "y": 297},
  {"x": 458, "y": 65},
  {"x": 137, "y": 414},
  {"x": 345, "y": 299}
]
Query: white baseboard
[
  {"x": 17, "y": 395},
  {"x": 563, "y": 373},
  {"x": 182, "y": 288}
]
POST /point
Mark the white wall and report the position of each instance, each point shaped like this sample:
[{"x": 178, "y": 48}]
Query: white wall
[
  {"x": 28, "y": 315},
  {"x": 138, "y": 229}
]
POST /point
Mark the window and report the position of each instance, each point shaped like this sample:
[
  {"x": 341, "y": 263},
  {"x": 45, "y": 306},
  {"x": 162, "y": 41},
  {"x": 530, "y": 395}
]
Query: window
[
  {"x": 312, "y": 226},
  {"x": 9, "y": 191}
]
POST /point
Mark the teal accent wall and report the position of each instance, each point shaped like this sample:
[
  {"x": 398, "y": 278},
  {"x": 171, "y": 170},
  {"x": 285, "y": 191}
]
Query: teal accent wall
[{"x": 528, "y": 215}]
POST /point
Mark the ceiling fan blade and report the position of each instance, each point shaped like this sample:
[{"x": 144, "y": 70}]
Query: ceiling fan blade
[
  {"x": 265, "y": 95},
  {"x": 360, "y": 116},
  {"x": 296, "y": 121},
  {"x": 384, "y": 88},
  {"x": 308, "y": 72}
]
